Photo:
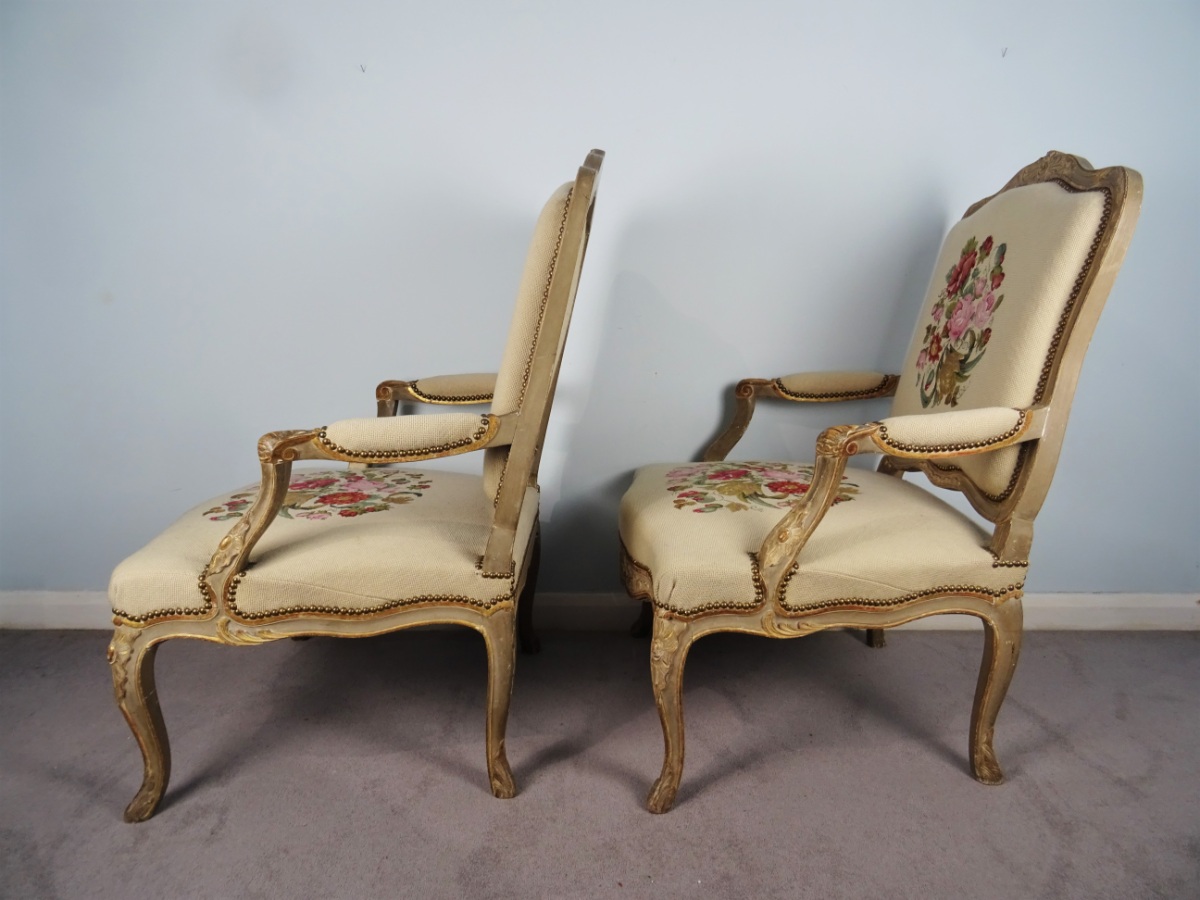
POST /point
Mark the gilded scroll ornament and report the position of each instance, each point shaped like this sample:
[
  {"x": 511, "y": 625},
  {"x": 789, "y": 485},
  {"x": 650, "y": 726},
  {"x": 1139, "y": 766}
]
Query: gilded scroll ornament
[
  {"x": 280, "y": 446},
  {"x": 228, "y": 549},
  {"x": 232, "y": 634},
  {"x": 782, "y": 627},
  {"x": 663, "y": 648},
  {"x": 120, "y": 649}
]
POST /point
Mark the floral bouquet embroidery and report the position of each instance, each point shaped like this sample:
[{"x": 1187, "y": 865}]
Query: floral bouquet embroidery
[
  {"x": 322, "y": 495},
  {"x": 957, "y": 337},
  {"x": 707, "y": 487}
]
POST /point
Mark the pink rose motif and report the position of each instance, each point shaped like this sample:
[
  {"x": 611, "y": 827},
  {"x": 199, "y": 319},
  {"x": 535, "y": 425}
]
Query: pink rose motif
[
  {"x": 984, "y": 307},
  {"x": 922, "y": 359},
  {"x": 987, "y": 246},
  {"x": 729, "y": 474},
  {"x": 788, "y": 487},
  {"x": 960, "y": 273},
  {"x": 937, "y": 314},
  {"x": 344, "y": 498},
  {"x": 960, "y": 320},
  {"x": 997, "y": 279}
]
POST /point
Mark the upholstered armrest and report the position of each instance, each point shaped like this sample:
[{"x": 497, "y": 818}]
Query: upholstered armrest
[
  {"x": 472, "y": 388},
  {"x": 803, "y": 387},
  {"x": 389, "y": 440},
  {"x": 922, "y": 435},
  {"x": 827, "y": 387},
  {"x": 952, "y": 433},
  {"x": 401, "y": 438}
]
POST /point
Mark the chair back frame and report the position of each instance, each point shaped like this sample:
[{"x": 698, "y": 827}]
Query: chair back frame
[
  {"x": 524, "y": 455},
  {"x": 1014, "y": 509}
]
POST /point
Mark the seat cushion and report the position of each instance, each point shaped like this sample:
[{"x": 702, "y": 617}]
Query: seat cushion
[
  {"x": 344, "y": 542},
  {"x": 697, "y": 527}
]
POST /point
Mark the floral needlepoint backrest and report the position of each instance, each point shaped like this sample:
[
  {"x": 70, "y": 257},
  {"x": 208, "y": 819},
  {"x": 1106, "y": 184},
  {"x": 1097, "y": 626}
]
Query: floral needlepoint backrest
[
  {"x": 1002, "y": 303},
  {"x": 526, "y": 329}
]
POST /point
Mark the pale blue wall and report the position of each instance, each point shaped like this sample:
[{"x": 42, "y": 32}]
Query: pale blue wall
[{"x": 220, "y": 219}]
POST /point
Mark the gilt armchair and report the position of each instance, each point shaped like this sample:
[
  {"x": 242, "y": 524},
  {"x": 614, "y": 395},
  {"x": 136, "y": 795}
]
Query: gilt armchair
[
  {"x": 782, "y": 550},
  {"x": 371, "y": 548}
]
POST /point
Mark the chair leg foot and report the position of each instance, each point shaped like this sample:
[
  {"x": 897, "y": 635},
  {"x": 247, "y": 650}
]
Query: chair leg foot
[
  {"x": 875, "y": 638},
  {"x": 132, "y": 663},
  {"x": 668, "y": 653},
  {"x": 500, "y": 637},
  {"x": 662, "y": 796},
  {"x": 1002, "y": 646},
  {"x": 501, "y": 778}
]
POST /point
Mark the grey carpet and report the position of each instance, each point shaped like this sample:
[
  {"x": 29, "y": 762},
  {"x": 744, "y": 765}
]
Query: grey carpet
[{"x": 815, "y": 768}]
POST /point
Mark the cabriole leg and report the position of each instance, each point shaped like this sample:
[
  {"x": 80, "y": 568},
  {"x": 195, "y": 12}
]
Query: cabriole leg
[
  {"x": 132, "y": 662},
  {"x": 1002, "y": 646},
  {"x": 500, "y": 637},
  {"x": 668, "y": 652}
]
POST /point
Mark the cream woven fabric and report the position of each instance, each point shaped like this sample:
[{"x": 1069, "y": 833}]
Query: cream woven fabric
[
  {"x": 955, "y": 429},
  {"x": 345, "y": 541},
  {"x": 883, "y": 542},
  {"x": 1039, "y": 236},
  {"x": 456, "y": 388},
  {"x": 407, "y": 434},
  {"x": 820, "y": 384},
  {"x": 526, "y": 325}
]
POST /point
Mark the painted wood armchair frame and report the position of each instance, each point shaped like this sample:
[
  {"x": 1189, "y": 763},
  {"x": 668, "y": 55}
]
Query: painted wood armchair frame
[
  {"x": 136, "y": 641},
  {"x": 1037, "y": 431}
]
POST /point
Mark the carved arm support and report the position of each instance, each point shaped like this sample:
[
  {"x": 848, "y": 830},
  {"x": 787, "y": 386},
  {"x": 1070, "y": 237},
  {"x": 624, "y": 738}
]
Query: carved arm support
[
  {"x": 476, "y": 387},
  {"x": 803, "y": 387},
  {"x": 922, "y": 436},
  {"x": 276, "y": 450},
  {"x": 403, "y": 439}
]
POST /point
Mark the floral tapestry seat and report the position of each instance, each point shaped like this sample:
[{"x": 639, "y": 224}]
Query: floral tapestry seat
[
  {"x": 696, "y": 530},
  {"x": 343, "y": 543}
]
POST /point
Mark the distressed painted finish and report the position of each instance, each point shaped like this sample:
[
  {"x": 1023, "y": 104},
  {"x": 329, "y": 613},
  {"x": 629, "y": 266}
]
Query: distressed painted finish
[
  {"x": 1038, "y": 435},
  {"x": 135, "y": 642}
]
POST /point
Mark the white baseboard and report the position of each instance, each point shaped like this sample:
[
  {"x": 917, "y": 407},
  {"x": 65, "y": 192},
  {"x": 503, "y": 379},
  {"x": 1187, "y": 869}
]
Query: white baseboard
[
  {"x": 55, "y": 609},
  {"x": 615, "y": 612}
]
